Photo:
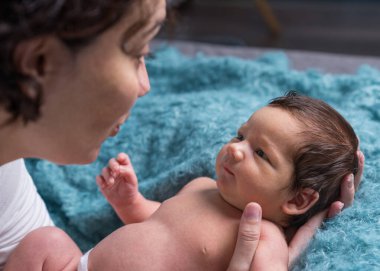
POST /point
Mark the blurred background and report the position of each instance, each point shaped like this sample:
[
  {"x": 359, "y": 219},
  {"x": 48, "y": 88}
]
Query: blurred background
[{"x": 336, "y": 26}]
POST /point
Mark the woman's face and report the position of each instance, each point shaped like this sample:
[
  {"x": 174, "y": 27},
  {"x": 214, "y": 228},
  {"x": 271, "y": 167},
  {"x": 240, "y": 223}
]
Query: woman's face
[{"x": 88, "y": 94}]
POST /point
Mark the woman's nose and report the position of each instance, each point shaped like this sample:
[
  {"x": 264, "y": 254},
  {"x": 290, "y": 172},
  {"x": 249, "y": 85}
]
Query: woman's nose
[
  {"x": 143, "y": 78},
  {"x": 236, "y": 152}
]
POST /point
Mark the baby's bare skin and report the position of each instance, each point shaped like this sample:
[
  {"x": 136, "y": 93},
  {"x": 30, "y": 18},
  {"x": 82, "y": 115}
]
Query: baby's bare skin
[
  {"x": 174, "y": 238},
  {"x": 194, "y": 230}
]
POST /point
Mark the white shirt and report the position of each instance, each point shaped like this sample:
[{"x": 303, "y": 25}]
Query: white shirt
[{"x": 21, "y": 207}]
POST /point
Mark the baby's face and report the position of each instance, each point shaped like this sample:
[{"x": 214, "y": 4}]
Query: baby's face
[{"x": 257, "y": 164}]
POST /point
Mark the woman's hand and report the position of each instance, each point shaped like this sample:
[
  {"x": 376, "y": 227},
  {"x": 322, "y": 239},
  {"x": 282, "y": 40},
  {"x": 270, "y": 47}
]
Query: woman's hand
[
  {"x": 305, "y": 233},
  {"x": 347, "y": 189},
  {"x": 248, "y": 238}
]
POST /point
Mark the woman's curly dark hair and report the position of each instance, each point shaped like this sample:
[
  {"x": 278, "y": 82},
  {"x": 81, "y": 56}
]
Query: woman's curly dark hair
[{"x": 75, "y": 22}]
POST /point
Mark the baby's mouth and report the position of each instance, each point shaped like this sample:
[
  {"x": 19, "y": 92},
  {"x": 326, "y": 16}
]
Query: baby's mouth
[{"x": 228, "y": 170}]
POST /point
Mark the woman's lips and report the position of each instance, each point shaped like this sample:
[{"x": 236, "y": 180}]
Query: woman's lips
[{"x": 115, "y": 130}]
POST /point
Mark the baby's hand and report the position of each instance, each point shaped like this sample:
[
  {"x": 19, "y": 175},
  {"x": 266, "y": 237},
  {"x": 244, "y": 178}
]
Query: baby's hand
[{"x": 118, "y": 181}]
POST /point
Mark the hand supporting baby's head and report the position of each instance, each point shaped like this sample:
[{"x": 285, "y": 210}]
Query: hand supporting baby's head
[{"x": 326, "y": 155}]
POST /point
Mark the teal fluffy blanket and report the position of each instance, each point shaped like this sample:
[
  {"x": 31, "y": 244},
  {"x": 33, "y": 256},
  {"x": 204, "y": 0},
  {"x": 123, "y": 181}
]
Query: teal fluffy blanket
[{"x": 195, "y": 106}]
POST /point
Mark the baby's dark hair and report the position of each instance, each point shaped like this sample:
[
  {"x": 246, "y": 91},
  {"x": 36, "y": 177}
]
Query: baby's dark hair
[
  {"x": 327, "y": 152},
  {"x": 75, "y": 22}
]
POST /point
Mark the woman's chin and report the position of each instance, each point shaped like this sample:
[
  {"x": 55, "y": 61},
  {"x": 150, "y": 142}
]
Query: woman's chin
[
  {"x": 78, "y": 159},
  {"x": 92, "y": 157}
]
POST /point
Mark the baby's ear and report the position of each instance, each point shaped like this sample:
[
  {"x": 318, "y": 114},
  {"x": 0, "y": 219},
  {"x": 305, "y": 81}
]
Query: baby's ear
[{"x": 301, "y": 202}]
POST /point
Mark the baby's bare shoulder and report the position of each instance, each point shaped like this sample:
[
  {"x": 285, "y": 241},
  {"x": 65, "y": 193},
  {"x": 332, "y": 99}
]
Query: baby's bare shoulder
[
  {"x": 198, "y": 184},
  {"x": 271, "y": 230},
  {"x": 272, "y": 235}
]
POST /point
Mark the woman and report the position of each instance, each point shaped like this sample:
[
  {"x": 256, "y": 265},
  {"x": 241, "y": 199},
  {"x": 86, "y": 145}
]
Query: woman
[{"x": 70, "y": 72}]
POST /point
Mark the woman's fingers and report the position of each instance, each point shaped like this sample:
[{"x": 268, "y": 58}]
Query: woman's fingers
[
  {"x": 335, "y": 208},
  {"x": 347, "y": 190},
  {"x": 303, "y": 236},
  {"x": 359, "y": 174},
  {"x": 248, "y": 238},
  {"x": 305, "y": 233},
  {"x": 351, "y": 183}
]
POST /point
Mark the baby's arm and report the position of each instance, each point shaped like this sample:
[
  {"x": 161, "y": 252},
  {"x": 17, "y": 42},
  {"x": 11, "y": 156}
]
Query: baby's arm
[
  {"x": 119, "y": 185},
  {"x": 272, "y": 252}
]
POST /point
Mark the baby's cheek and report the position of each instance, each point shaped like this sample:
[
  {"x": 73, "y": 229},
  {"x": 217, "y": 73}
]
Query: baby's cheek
[{"x": 219, "y": 160}]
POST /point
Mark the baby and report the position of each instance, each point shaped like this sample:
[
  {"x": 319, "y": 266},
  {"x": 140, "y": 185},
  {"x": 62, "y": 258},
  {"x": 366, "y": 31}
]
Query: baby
[{"x": 289, "y": 157}]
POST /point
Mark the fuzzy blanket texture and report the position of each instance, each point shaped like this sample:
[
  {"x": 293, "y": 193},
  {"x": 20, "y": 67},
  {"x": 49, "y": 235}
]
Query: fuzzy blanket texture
[{"x": 195, "y": 106}]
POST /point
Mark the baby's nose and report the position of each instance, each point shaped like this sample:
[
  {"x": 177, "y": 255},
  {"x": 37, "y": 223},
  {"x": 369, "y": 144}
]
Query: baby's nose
[{"x": 236, "y": 153}]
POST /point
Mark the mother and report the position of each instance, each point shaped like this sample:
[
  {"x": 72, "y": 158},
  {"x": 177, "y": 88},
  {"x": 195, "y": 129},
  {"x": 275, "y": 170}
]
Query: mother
[{"x": 70, "y": 72}]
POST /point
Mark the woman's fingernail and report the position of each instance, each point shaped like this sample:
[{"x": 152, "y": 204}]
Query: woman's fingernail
[
  {"x": 351, "y": 181},
  {"x": 253, "y": 213}
]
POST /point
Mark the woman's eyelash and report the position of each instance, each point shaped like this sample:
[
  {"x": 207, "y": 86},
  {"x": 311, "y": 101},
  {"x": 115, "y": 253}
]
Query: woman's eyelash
[
  {"x": 150, "y": 55},
  {"x": 139, "y": 56},
  {"x": 146, "y": 56},
  {"x": 239, "y": 137}
]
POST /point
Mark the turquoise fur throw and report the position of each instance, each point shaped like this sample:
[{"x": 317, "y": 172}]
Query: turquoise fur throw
[{"x": 195, "y": 106}]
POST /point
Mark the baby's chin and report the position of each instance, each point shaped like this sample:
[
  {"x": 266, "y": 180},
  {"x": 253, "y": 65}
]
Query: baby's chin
[{"x": 231, "y": 202}]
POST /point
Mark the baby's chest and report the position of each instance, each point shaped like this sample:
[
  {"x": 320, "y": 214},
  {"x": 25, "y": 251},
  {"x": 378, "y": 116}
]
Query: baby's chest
[{"x": 202, "y": 227}]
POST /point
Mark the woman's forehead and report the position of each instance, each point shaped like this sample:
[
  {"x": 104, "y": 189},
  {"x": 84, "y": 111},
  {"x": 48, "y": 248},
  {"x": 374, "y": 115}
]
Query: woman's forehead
[{"x": 143, "y": 18}]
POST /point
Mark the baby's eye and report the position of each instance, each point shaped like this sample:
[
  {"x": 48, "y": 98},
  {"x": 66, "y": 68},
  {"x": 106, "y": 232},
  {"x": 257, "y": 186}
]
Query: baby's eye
[
  {"x": 239, "y": 137},
  {"x": 262, "y": 154}
]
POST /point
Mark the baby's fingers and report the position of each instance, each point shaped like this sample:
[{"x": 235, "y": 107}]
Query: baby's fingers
[
  {"x": 109, "y": 180},
  {"x": 101, "y": 182},
  {"x": 123, "y": 158},
  {"x": 114, "y": 168}
]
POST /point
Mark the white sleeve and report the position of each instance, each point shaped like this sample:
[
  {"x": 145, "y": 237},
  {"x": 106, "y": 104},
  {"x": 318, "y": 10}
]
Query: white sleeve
[{"x": 21, "y": 207}]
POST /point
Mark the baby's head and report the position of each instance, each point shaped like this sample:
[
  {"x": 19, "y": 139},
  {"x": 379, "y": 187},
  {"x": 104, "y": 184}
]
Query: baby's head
[{"x": 290, "y": 157}]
